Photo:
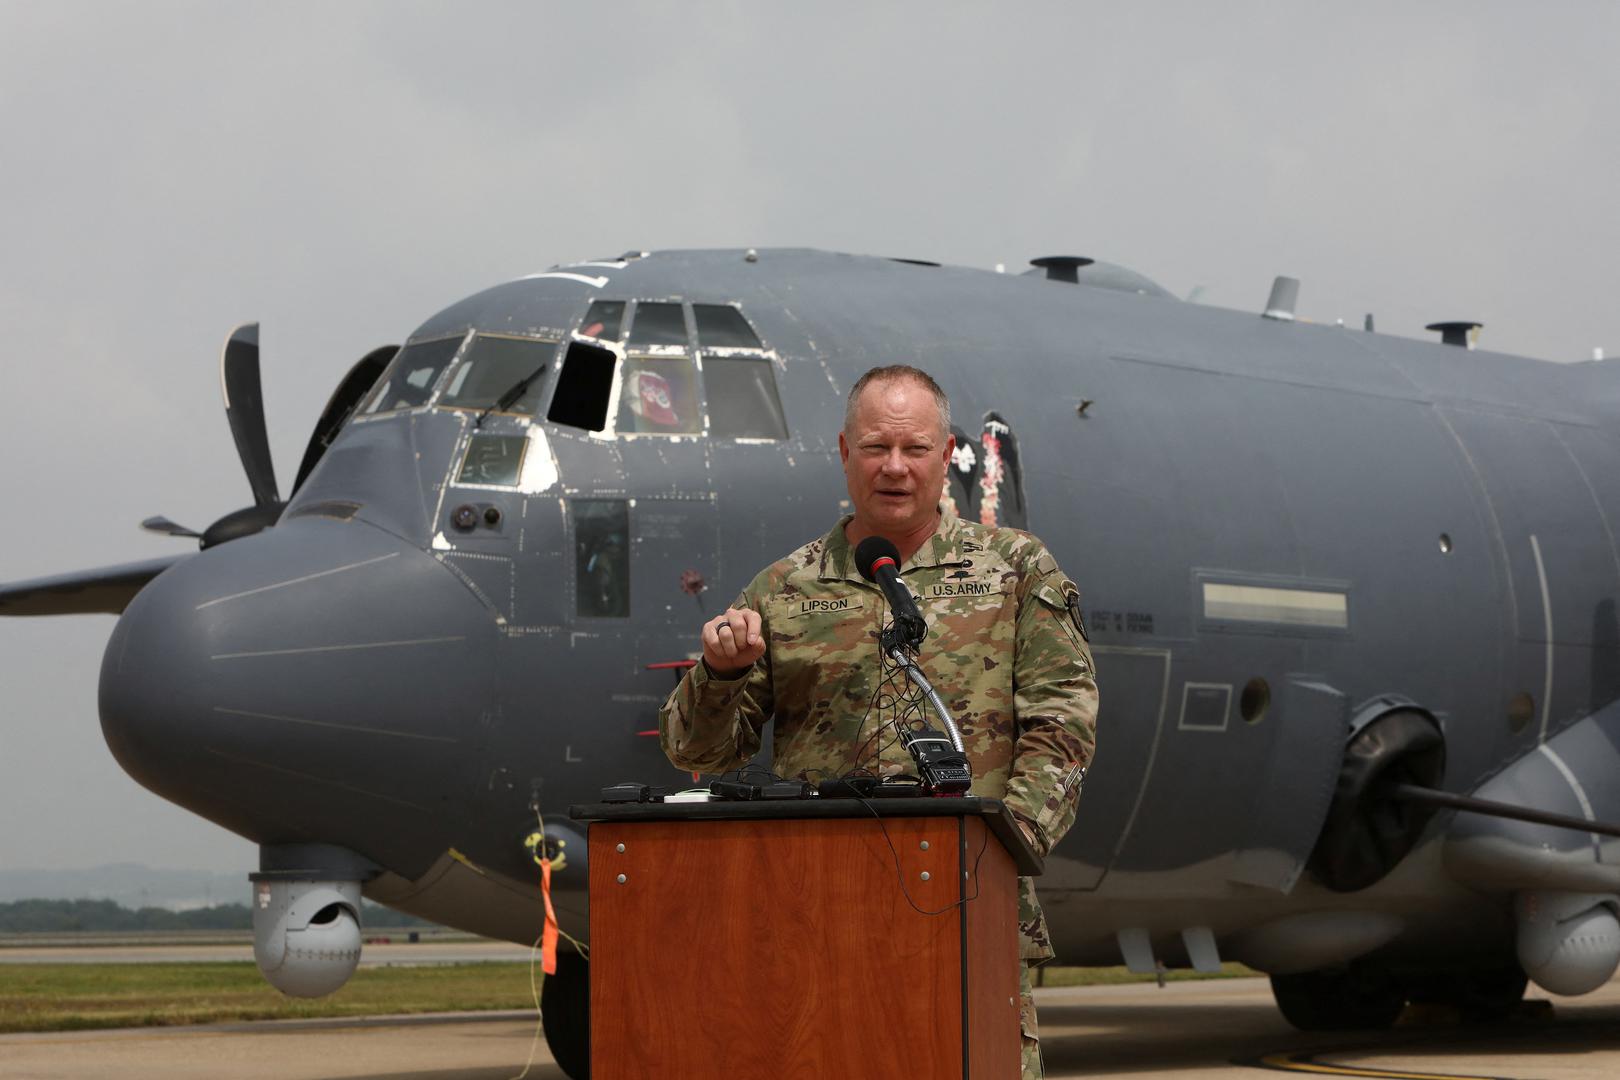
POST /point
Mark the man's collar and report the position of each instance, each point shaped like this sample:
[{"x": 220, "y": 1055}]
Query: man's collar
[{"x": 943, "y": 548}]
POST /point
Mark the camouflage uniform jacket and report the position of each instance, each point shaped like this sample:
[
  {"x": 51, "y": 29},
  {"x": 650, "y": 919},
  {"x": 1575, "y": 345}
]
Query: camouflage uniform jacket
[{"x": 1003, "y": 650}]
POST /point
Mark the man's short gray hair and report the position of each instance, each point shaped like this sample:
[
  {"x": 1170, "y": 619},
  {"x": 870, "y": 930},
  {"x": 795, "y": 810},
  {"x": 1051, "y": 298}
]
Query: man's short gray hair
[{"x": 895, "y": 373}]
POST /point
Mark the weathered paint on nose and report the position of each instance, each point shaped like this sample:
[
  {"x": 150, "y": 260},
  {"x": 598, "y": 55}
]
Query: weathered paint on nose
[{"x": 322, "y": 680}]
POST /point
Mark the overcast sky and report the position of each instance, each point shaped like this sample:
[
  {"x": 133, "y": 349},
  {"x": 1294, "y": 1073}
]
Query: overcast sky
[{"x": 342, "y": 171}]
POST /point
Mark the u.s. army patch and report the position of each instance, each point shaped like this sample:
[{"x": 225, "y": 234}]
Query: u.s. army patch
[{"x": 965, "y": 587}]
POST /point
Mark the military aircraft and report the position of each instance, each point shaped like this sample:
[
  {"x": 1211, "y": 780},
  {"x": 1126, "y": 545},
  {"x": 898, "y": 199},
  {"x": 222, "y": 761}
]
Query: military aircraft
[{"x": 1338, "y": 583}]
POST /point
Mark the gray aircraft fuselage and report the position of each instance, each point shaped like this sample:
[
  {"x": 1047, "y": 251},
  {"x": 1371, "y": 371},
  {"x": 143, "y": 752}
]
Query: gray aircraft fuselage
[{"x": 1272, "y": 525}]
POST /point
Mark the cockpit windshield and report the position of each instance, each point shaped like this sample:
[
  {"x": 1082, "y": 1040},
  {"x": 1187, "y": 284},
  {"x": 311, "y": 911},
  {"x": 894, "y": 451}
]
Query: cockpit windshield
[
  {"x": 410, "y": 379},
  {"x": 663, "y": 381},
  {"x": 658, "y": 325},
  {"x": 494, "y": 365},
  {"x": 721, "y": 326},
  {"x": 603, "y": 320}
]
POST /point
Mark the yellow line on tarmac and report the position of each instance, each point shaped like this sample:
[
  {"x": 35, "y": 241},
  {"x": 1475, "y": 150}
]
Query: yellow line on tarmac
[{"x": 1302, "y": 1063}]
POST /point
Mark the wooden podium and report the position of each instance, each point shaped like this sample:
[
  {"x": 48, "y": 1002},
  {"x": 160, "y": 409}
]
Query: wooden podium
[{"x": 805, "y": 938}]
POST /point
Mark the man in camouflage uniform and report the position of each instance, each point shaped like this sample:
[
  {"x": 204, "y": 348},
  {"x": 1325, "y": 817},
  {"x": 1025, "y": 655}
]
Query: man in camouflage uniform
[{"x": 1005, "y": 646}]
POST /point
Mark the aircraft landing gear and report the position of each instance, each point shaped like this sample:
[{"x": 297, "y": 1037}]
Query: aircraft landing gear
[
  {"x": 565, "y": 1013},
  {"x": 1478, "y": 997},
  {"x": 1346, "y": 999}
]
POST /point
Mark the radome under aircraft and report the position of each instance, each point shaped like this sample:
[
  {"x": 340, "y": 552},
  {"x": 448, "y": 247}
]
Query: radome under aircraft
[{"x": 1333, "y": 578}]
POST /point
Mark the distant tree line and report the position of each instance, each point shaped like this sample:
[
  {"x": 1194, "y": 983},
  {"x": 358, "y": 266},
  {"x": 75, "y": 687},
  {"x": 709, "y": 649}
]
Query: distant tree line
[{"x": 105, "y": 916}]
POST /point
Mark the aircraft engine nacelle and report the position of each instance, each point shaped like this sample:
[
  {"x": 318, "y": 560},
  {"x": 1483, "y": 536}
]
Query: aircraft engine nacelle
[
  {"x": 1569, "y": 943},
  {"x": 306, "y": 934},
  {"x": 1392, "y": 740}
]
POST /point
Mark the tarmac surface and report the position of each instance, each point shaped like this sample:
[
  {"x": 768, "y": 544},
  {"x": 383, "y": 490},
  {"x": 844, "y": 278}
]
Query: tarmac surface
[{"x": 1223, "y": 1028}]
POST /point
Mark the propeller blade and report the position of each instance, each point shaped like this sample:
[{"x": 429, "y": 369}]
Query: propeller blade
[
  {"x": 244, "y": 407},
  {"x": 240, "y": 523},
  {"x": 1470, "y": 805},
  {"x": 161, "y": 524}
]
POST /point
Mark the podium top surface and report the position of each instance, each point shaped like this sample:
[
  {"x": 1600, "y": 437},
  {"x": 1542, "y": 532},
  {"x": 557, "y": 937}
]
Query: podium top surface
[{"x": 995, "y": 815}]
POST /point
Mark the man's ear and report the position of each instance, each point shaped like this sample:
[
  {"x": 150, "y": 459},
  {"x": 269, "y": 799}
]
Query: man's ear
[
  {"x": 843, "y": 448},
  {"x": 950, "y": 447}
]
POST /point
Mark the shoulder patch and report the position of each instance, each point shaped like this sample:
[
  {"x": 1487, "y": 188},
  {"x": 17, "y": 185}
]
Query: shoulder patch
[{"x": 1071, "y": 594}]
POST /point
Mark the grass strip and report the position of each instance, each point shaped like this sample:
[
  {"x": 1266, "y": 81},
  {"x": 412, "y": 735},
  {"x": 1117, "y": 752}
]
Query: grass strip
[
  {"x": 1052, "y": 975},
  {"x": 78, "y": 997},
  {"x": 70, "y": 997}
]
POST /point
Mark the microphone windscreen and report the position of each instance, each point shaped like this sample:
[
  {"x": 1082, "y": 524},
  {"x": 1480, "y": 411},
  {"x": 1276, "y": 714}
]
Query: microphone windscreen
[{"x": 872, "y": 549}]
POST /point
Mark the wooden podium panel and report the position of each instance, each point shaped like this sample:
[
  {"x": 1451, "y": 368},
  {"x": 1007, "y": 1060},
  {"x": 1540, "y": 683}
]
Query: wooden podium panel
[{"x": 787, "y": 947}]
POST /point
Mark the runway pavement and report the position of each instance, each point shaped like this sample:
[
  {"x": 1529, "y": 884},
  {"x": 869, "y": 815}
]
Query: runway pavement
[
  {"x": 1231, "y": 1028},
  {"x": 1226, "y": 1028}
]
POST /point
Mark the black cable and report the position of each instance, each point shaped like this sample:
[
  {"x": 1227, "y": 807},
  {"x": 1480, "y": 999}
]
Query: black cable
[
  {"x": 900, "y": 874},
  {"x": 908, "y": 716},
  {"x": 890, "y": 672},
  {"x": 752, "y": 767},
  {"x": 871, "y": 703},
  {"x": 913, "y": 717},
  {"x": 875, "y": 702}
]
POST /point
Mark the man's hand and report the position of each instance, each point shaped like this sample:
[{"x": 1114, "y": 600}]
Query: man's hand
[{"x": 732, "y": 642}]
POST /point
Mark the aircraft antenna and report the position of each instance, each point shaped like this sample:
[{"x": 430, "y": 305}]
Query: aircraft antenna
[
  {"x": 1457, "y": 332},
  {"x": 1284, "y": 299},
  {"x": 1064, "y": 268}
]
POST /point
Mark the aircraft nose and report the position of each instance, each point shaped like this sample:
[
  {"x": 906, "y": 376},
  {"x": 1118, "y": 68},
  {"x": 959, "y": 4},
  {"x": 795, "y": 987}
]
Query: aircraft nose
[{"x": 319, "y": 680}]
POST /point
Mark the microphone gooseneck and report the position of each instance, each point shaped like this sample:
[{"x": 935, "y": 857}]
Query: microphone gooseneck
[{"x": 879, "y": 562}]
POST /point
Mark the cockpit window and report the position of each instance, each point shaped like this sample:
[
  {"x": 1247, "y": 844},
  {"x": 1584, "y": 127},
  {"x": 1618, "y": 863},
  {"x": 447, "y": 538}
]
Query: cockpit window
[
  {"x": 492, "y": 367},
  {"x": 743, "y": 403},
  {"x": 601, "y": 557},
  {"x": 603, "y": 320},
  {"x": 493, "y": 459},
  {"x": 661, "y": 389},
  {"x": 721, "y": 326},
  {"x": 584, "y": 387},
  {"x": 657, "y": 324},
  {"x": 659, "y": 396},
  {"x": 409, "y": 380}
]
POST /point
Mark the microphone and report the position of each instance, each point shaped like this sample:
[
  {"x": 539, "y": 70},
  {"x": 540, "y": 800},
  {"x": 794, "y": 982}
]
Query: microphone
[
  {"x": 879, "y": 562},
  {"x": 942, "y": 764}
]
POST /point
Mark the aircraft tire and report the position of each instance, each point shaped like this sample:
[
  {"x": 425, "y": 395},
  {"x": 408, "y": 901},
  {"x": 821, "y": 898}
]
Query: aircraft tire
[
  {"x": 565, "y": 1013},
  {"x": 1480, "y": 997},
  {"x": 1358, "y": 998}
]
